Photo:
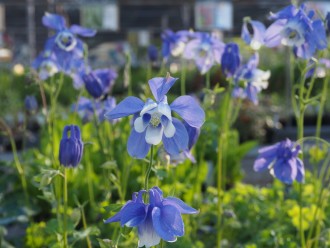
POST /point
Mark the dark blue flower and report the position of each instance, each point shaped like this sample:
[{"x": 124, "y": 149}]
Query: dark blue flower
[
  {"x": 30, "y": 103},
  {"x": 295, "y": 27},
  {"x": 174, "y": 42},
  {"x": 256, "y": 39},
  {"x": 205, "y": 49},
  {"x": 153, "y": 121},
  {"x": 230, "y": 60},
  {"x": 282, "y": 159},
  {"x": 99, "y": 82},
  {"x": 159, "y": 219},
  {"x": 249, "y": 80},
  {"x": 71, "y": 146},
  {"x": 152, "y": 53}
]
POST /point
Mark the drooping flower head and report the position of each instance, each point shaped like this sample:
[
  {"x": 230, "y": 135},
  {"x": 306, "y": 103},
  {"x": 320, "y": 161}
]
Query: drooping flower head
[
  {"x": 319, "y": 68},
  {"x": 159, "y": 219},
  {"x": 153, "y": 120},
  {"x": 230, "y": 59},
  {"x": 174, "y": 42},
  {"x": 295, "y": 27},
  {"x": 255, "y": 39},
  {"x": 87, "y": 108},
  {"x": 46, "y": 65},
  {"x": 30, "y": 103},
  {"x": 205, "y": 49},
  {"x": 249, "y": 80},
  {"x": 282, "y": 159},
  {"x": 99, "y": 82},
  {"x": 71, "y": 146}
]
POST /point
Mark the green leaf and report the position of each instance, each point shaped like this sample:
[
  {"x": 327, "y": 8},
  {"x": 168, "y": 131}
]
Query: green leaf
[{"x": 105, "y": 243}]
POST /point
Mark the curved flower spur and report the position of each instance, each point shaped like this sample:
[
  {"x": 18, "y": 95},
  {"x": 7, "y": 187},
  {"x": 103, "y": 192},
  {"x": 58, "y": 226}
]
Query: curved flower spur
[
  {"x": 153, "y": 121},
  {"x": 159, "y": 219}
]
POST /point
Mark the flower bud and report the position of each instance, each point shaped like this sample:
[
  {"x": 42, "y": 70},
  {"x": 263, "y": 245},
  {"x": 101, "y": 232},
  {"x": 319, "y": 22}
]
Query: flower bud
[{"x": 71, "y": 146}]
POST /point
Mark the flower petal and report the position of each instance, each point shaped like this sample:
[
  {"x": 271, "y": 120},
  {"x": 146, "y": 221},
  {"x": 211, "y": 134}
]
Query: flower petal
[
  {"x": 85, "y": 32},
  {"x": 180, "y": 205},
  {"x": 167, "y": 222},
  {"x": 179, "y": 142},
  {"x": 160, "y": 86},
  {"x": 137, "y": 147},
  {"x": 285, "y": 170},
  {"x": 189, "y": 110},
  {"x": 147, "y": 234},
  {"x": 133, "y": 214},
  {"x": 149, "y": 105},
  {"x": 262, "y": 163},
  {"x": 154, "y": 134},
  {"x": 114, "y": 218},
  {"x": 53, "y": 21},
  {"x": 169, "y": 128},
  {"x": 141, "y": 123},
  {"x": 300, "y": 171},
  {"x": 273, "y": 34},
  {"x": 130, "y": 105}
]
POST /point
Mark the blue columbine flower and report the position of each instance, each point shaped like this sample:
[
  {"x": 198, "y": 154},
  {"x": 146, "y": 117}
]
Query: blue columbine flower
[
  {"x": 205, "y": 49},
  {"x": 252, "y": 78},
  {"x": 71, "y": 146},
  {"x": 256, "y": 39},
  {"x": 30, "y": 103},
  {"x": 99, "y": 82},
  {"x": 174, "y": 42},
  {"x": 46, "y": 65},
  {"x": 159, "y": 219},
  {"x": 64, "y": 44},
  {"x": 230, "y": 60},
  {"x": 295, "y": 28},
  {"x": 153, "y": 121},
  {"x": 282, "y": 159}
]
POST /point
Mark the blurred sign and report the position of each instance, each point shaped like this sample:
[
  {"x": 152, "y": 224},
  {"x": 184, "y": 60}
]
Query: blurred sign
[
  {"x": 214, "y": 14},
  {"x": 100, "y": 16}
]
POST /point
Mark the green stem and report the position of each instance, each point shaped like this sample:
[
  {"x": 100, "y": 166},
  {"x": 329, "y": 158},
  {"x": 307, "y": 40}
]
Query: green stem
[
  {"x": 127, "y": 74},
  {"x": 322, "y": 104},
  {"x": 89, "y": 244},
  {"x": 90, "y": 174},
  {"x": 208, "y": 79},
  {"x": 146, "y": 180},
  {"x": 183, "y": 76},
  {"x": 19, "y": 167},
  {"x": 65, "y": 206}
]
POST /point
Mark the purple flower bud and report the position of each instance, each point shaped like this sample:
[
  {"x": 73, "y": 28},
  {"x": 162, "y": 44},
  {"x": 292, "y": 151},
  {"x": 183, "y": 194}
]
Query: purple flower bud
[
  {"x": 230, "y": 60},
  {"x": 30, "y": 103},
  {"x": 71, "y": 146}
]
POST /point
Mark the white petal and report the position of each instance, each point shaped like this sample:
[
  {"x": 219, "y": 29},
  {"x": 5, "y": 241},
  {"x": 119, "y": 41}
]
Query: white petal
[
  {"x": 140, "y": 125},
  {"x": 165, "y": 109},
  {"x": 150, "y": 104},
  {"x": 147, "y": 235},
  {"x": 169, "y": 130},
  {"x": 154, "y": 134}
]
